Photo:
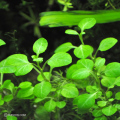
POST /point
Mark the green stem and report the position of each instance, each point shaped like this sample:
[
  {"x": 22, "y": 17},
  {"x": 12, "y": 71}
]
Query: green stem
[
  {"x": 1, "y": 79},
  {"x": 81, "y": 39},
  {"x": 96, "y": 53}
]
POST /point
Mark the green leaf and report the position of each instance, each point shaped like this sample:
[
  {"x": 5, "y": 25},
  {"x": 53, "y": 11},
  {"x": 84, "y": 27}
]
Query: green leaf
[
  {"x": 40, "y": 46},
  {"x": 112, "y": 69},
  {"x": 70, "y": 70},
  {"x": 25, "y": 84},
  {"x": 8, "y": 98},
  {"x": 86, "y": 101},
  {"x": 1, "y": 102},
  {"x": 40, "y": 77},
  {"x": 65, "y": 47},
  {"x": 69, "y": 91},
  {"x": 25, "y": 92},
  {"x": 59, "y": 59},
  {"x": 97, "y": 113},
  {"x": 83, "y": 51},
  {"x": 6, "y": 68},
  {"x": 108, "y": 94},
  {"x": 99, "y": 62},
  {"x": 108, "y": 82},
  {"x": 101, "y": 118},
  {"x": 102, "y": 103},
  {"x": 71, "y": 32},
  {"x": 86, "y": 23},
  {"x": 85, "y": 63},
  {"x": 117, "y": 106},
  {"x": 91, "y": 89},
  {"x": 20, "y": 61},
  {"x": 110, "y": 110},
  {"x": 117, "y": 96},
  {"x": 8, "y": 85},
  {"x": 107, "y": 43},
  {"x": 81, "y": 73},
  {"x": 2, "y": 42},
  {"x": 11, "y": 117},
  {"x": 50, "y": 105},
  {"x": 42, "y": 89},
  {"x": 61, "y": 104},
  {"x": 117, "y": 82}
]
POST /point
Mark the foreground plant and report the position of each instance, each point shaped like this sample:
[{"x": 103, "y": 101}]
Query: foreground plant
[{"x": 89, "y": 87}]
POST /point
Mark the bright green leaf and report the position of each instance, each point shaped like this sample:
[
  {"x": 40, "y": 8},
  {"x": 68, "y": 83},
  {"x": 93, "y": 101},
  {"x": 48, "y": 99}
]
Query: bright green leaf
[
  {"x": 42, "y": 89},
  {"x": 8, "y": 98},
  {"x": 85, "y": 63},
  {"x": 102, "y": 103},
  {"x": 110, "y": 110},
  {"x": 117, "y": 96},
  {"x": 108, "y": 82},
  {"x": 20, "y": 61},
  {"x": 2, "y": 42},
  {"x": 99, "y": 62},
  {"x": 87, "y": 23},
  {"x": 112, "y": 69},
  {"x": 117, "y": 82},
  {"x": 86, "y": 101},
  {"x": 40, "y": 46},
  {"x": 97, "y": 113},
  {"x": 1, "y": 102},
  {"x": 107, "y": 43},
  {"x": 50, "y": 105},
  {"x": 11, "y": 117},
  {"x": 61, "y": 104},
  {"x": 59, "y": 59},
  {"x": 65, "y": 47},
  {"x": 71, "y": 32},
  {"x": 25, "y": 84},
  {"x": 6, "y": 68},
  {"x": 108, "y": 94},
  {"x": 25, "y": 92},
  {"x": 81, "y": 73},
  {"x": 83, "y": 51},
  {"x": 101, "y": 118},
  {"x": 69, "y": 91},
  {"x": 91, "y": 89}
]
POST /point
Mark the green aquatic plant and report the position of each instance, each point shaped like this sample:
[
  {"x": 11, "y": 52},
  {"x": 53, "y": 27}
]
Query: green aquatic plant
[{"x": 88, "y": 88}]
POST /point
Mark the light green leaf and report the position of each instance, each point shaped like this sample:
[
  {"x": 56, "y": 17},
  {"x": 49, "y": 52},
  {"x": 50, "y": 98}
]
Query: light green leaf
[
  {"x": 117, "y": 82},
  {"x": 65, "y": 47},
  {"x": 50, "y": 105},
  {"x": 110, "y": 110},
  {"x": 42, "y": 89},
  {"x": 8, "y": 98},
  {"x": 86, "y": 101},
  {"x": 99, "y": 62},
  {"x": 83, "y": 51},
  {"x": 87, "y": 23},
  {"x": 59, "y": 59},
  {"x": 85, "y": 63},
  {"x": 108, "y": 94},
  {"x": 1, "y": 101},
  {"x": 102, "y": 103},
  {"x": 117, "y": 96},
  {"x": 20, "y": 61},
  {"x": 11, "y": 117},
  {"x": 91, "y": 89},
  {"x": 71, "y": 32},
  {"x": 61, "y": 104},
  {"x": 101, "y": 118},
  {"x": 112, "y": 69},
  {"x": 6, "y": 68},
  {"x": 71, "y": 69},
  {"x": 108, "y": 82},
  {"x": 25, "y": 92},
  {"x": 46, "y": 74},
  {"x": 107, "y": 43},
  {"x": 8, "y": 85},
  {"x": 69, "y": 91},
  {"x": 40, "y": 46},
  {"x": 97, "y": 113},
  {"x": 25, "y": 84},
  {"x": 81, "y": 73},
  {"x": 117, "y": 106},
  {"x": 2, "y": 42}
]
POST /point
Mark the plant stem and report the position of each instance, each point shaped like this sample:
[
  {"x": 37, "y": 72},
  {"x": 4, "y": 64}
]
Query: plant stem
[
  {"x": 81, "y": 39},
  {"x": 96, "y": 53},
  {"x": 1, "y": 79}
]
